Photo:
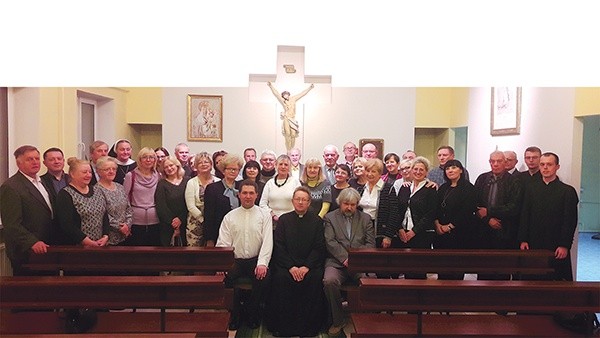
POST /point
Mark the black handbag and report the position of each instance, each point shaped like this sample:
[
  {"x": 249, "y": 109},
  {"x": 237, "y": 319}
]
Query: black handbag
[
  {"x": 580, "y": 322},
  {"x": 80, "y": 320}
]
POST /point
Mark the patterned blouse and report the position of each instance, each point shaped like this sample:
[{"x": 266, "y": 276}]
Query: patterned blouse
[
  {"x": 119, "y": 211},
  {"x": 82, "y": 215}
]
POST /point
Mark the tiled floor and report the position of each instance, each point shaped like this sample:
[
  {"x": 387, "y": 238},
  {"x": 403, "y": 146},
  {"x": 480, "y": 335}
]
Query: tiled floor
[{"x": 588, "y": 257}]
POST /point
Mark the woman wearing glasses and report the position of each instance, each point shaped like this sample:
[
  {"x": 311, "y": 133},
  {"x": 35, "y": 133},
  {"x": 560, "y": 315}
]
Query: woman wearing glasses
[
  {"x": 170, "y": 203},
  {"x": 194, "y": 198},
  {"x": 140, "y": 185},
  {"x": 221, "y": 197},
  {"x": 161, "y": 154},
  {"x": 117, "y": 206}
]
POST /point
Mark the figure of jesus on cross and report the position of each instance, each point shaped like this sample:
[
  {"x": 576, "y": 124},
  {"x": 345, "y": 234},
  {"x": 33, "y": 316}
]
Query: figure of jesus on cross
[{"x": 290, "y": 127}]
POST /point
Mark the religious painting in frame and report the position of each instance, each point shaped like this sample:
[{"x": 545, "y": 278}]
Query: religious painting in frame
[
  {"x": 205, "y": 118},
  {"x": 378, "y": 142},
  {"x": 505, "y": 111}
]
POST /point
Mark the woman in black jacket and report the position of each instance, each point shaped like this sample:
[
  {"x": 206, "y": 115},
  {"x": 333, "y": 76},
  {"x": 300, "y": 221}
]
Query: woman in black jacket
[
  {"x": 455, "y": 216},
  {"x": 414, "y": 219},
  {"x": 221, "y": 197}
]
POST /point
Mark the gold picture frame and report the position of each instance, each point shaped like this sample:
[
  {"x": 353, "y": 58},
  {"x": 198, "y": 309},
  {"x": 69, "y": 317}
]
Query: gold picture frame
[
  {"x": 205, "y": 118},
  {"x": 505, "y": 111},
  {"x": 377, "y": 142}
]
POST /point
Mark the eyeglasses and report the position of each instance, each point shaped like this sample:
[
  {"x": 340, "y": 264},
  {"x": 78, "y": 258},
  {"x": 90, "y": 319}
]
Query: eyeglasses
[
  {"x": 108, "y": 169},
  {"x": 231, "y": 169},
  {"x": 148, "y": 157},
  {"x": 405, "y": 168}
]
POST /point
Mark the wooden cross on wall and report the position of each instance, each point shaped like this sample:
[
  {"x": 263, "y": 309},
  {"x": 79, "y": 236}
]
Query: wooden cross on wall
[{"x": 290, "y": 77}]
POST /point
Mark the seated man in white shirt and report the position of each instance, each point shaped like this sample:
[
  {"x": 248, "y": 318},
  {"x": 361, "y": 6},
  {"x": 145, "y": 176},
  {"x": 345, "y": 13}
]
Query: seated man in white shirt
[{"x": 249, "y": 230}]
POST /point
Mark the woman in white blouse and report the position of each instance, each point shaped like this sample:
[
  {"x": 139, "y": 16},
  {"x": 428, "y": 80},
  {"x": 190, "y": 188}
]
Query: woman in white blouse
[
  {"x": 278, "y": 191},
  {"x": 194, "y": 198}
]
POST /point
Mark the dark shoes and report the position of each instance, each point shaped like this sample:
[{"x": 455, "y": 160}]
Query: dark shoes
[
  {"x": 234, "y": 322},
  {"x": 253, "y": 323}
]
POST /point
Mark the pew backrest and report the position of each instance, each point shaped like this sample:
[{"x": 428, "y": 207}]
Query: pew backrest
[
  {"x": 378, "y": 260},
  {"x": 132, "y": 260}
]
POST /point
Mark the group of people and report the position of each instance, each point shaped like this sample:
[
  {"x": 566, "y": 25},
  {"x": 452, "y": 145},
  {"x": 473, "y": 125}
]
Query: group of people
[{"x": 291, "y": 224}]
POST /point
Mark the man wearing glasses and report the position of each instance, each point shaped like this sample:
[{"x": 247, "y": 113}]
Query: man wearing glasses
[{"x": 267, "y": 161}]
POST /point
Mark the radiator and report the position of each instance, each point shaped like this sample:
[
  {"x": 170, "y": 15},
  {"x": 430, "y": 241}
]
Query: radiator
[{"x": 5, "y": 269}]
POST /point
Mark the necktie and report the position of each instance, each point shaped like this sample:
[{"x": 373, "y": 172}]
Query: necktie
[
  {"x": 349, "y": 226},
  {"x": 331, "y": 175},
  {"x": 493, "y": 191}
]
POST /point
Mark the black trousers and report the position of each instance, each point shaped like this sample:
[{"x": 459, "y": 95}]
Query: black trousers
[{"x": 244, "y": 269}]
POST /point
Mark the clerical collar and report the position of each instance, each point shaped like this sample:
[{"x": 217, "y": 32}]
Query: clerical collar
[{"x": 300, "y": 215}]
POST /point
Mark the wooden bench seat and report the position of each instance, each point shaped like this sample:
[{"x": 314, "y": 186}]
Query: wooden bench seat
[
  {"x": 205, "y": 324},
  {"x": 108, "y": 335},
  {"x": 109, "y": 292},
  {"x": 456, "y": 325},
  {"x": 423, "y": 296}
]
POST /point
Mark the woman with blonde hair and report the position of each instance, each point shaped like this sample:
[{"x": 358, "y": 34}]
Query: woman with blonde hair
[
  {"x": 320, "y": 189},
  {"x": 119, "y": 211},
  {"x": 358, "y": 169},
  {"x": 81, "y": 209},
  {"x": 221, "y": 197},
  {"x": 170, "y": 203},
  {"x": 140, "y": 185},
  {"x": 278, "y": 191},
  {"x": 417, "y": 207},
  {"x": 194, "y": 198}
]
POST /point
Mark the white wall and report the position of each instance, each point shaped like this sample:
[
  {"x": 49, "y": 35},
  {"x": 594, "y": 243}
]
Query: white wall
[
  {"x": 546, "y": 121},
  {"x": 354, "y": 113},
  {"x": 23, "y": 123}
]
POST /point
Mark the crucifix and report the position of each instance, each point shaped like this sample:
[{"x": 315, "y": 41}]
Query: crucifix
[{"x": 291, "y": 79}]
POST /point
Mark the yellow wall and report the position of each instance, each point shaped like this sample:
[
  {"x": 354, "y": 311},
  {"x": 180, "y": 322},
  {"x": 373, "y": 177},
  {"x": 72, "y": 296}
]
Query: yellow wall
[
  {"x": 52, "y": 116},
  {"x": 144, "y": 105},
  {"x": 438, "y": 107},
  {"x": 587, "y": 101}
]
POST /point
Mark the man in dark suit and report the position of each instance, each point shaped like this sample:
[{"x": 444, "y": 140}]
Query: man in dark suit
[
  {"x": 26, "y": 210},
  {"x": 55, "y": 177},
  {"x": 345, "y": 228},
  {"x": 498, "y": 208}
]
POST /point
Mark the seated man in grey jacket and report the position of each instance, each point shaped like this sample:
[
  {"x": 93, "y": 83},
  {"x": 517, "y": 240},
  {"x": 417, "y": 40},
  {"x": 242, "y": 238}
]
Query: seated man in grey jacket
[{"x": 345, "y": 228}]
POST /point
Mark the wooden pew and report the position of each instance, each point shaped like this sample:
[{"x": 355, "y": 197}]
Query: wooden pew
[
  {"x": 109, "y": 292},
  {"x": 132, "y": 260},
  {"x": 536, "y": 262},
  {"x": 418, "y": 296}
]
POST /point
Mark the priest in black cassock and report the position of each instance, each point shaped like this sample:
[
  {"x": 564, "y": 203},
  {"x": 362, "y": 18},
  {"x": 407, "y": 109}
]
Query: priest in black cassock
[
  {"x": 549, "y": 216},
  {"x": 297, "y": 301}
]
